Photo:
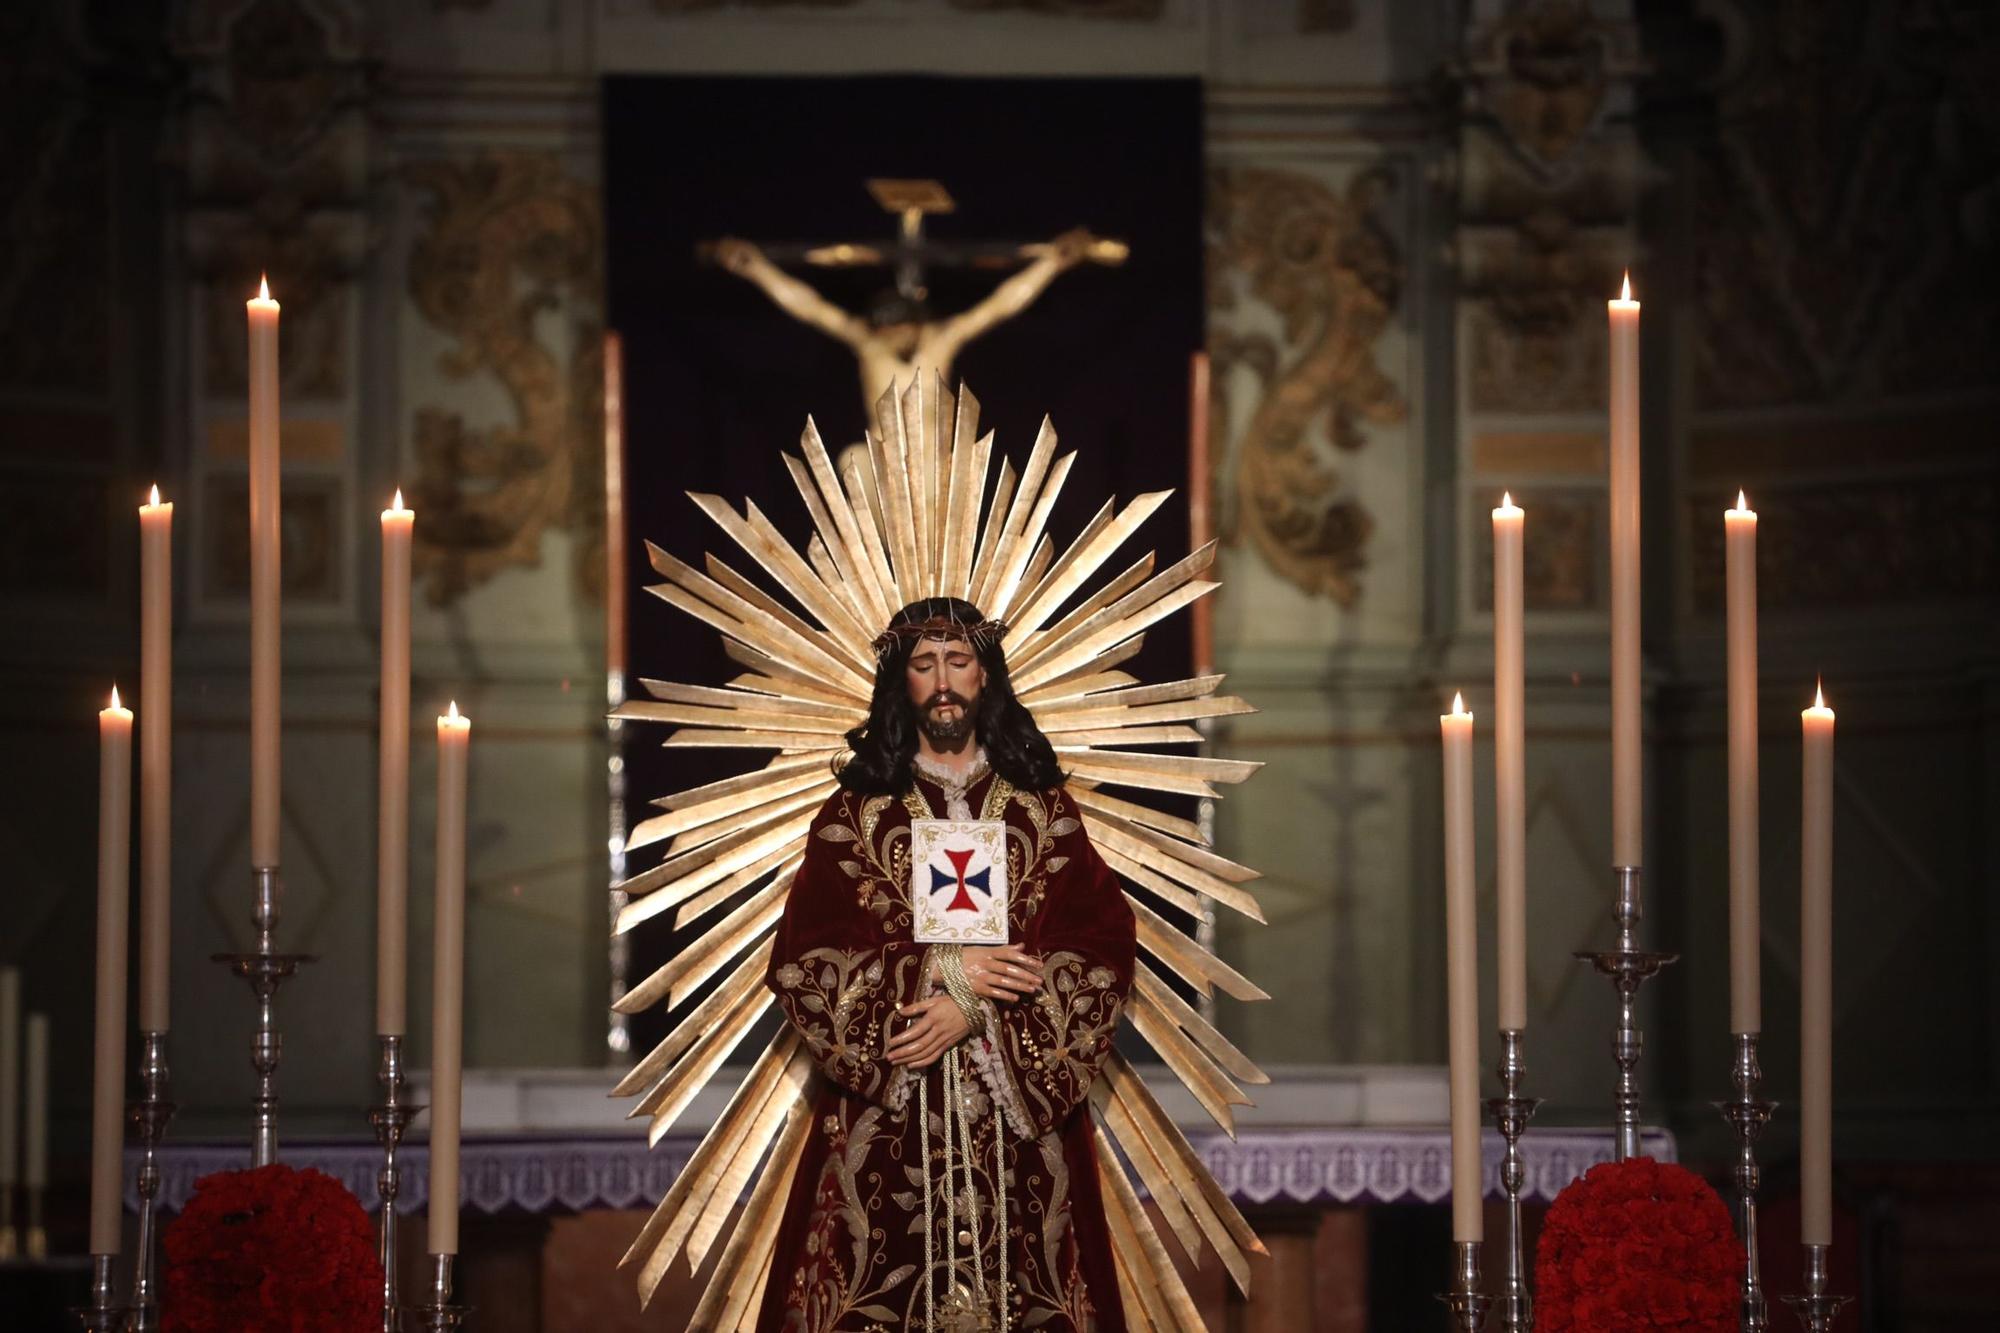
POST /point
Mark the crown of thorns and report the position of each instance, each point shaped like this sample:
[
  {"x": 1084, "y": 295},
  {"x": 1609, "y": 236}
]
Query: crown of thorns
[{"x": 979, "y": 634}]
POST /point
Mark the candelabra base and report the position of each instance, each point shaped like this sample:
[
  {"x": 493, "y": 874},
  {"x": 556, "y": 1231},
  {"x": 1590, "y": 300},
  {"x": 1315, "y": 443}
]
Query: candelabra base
[
  {"x": 1747, "y": 1114},
  {"x": 104, "y": 1314},
  {"x": 390, "y": 1118},
  {"x": 1816, "y": 1313},
  {"x": 1816, "y": 1308},
  {"x": 440, "y": 1312},
  {"x": 1511, "y": 1112},
  {"x": 265, "y": 969},
  {"x": 1469, "y": 1305},
  {"x": 265, "y": 972},
  {"x": 1629, "y": 967},
  {"x": 149, "y": 1116}
]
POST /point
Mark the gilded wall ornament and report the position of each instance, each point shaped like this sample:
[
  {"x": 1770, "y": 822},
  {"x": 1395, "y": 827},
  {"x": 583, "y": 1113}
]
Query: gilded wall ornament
[
  {"x": 309, "y": 539},
  {"x": 308, "y": 268},
  {"x": 1544, "y": 72},
  {"x": 1560, "y": 567},
  {"x": 276, "y": 175},
  {"x": 1318, "y": 259},
  {"x": 1536, "y": 325},
  {"x": 509, "y": 236},
  {"x": 283, "y": 87},
  {"x": 1547, "y": 189}
]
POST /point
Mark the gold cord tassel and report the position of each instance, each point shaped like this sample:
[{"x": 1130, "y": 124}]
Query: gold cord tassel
[{"x": 967, "y": 1312}]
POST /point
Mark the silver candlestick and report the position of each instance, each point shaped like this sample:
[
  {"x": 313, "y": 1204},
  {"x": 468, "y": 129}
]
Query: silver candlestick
[
  {"x": 1816, "y": 1309},
  {"x": 439, "y": 1313},
  {"x": 265, "y": 970},
  {"x": 1511, "y": 1112},
  {"x": 390, "y": 1119},
  {"x": 1629, "y": 967},
  {"x": 1469, "y": 1305},
  {"x": 104, "y": 1314},
  {"x": 149, "y": 1115},
  {"x": 1747, "y": 1114}
]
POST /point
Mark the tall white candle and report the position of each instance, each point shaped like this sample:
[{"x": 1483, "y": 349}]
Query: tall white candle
[
  {"x": 1461, "y": 974},
  {"x": 264, "y": 577},
  {"x": 1816, "y": 977},
  {"x": 1746, "y": 1000},
  {"x": 114, "y": 851},
  {"x": 10, "y": 1078},
  {"x": 35, "y": 1166},
  {"x": 1626, "y": 757},
  {"x": 1510, "y": 834},
  {"x": 448, "y": 981},
  {"x": 156, "y": 772},
  {"x": 392, "y": 841}
]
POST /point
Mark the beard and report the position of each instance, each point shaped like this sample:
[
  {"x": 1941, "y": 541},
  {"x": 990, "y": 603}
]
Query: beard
[{"x": 943, "y": 732}]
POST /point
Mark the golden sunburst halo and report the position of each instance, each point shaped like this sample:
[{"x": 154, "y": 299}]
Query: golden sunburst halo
[{"x": 896, "y": 522}]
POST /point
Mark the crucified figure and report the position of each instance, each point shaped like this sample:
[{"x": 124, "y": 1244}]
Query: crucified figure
[{"x": 898, "y": 337}]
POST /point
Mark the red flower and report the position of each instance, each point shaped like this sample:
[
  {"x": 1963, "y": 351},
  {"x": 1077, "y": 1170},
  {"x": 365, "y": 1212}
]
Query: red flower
[
  {"x": 1635, "y": 1247},
  {"x": 272, "y": 1250}
]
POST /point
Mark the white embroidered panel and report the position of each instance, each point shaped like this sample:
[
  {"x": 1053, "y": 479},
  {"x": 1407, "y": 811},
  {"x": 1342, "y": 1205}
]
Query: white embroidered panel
[{"x": 958, "y": 880}]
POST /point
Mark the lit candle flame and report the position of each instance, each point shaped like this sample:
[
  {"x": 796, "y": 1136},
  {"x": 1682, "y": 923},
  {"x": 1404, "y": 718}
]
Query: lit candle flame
[
  {"x": 153, "y": 499},
  {"x": 115, "y": 705},
  {"x": 1458, "y": 704},
  {"x": 451, "y": 714},
  {"x": 1742, "y": 503},
  {"x": 397, "y": 503},
  {"x": 1819, "y": 693},
  {"x": 1625, "y": 292},
  {"x": 263, "y": 286},
  {"x": 1506, "y": 499}
]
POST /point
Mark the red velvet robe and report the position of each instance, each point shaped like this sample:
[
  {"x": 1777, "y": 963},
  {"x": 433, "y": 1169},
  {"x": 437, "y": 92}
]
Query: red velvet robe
[{"x": 850, "y": 1248}]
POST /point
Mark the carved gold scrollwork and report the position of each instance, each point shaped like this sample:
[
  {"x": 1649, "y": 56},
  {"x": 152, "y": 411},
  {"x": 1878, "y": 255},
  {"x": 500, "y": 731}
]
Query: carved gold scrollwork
[
  {"x": 1545, "y": 71},
  {"x": 1317, "y": 258},
  {"x": 1535, "y": 286},
  {"x": 511, "y": 235}
]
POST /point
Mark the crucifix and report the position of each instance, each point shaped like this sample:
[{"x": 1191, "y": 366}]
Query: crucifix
[{"x": 899, "y": 334}]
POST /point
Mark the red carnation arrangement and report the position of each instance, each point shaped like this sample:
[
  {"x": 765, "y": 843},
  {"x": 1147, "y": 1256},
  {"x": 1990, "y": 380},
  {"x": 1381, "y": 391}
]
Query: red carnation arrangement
[
  {"x": 1634, "y": 1247},
  {"x": 272, "y": 1250}
]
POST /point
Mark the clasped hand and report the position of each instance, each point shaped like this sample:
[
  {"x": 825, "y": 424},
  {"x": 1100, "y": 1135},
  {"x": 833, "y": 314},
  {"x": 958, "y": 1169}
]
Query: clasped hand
[{"x": 1002, "y": 973}]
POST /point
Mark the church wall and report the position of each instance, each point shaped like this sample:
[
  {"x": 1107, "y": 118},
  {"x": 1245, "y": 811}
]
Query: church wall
[
  {"x": 1318, "y": 254},
  {"x": 438, "y": 165}
]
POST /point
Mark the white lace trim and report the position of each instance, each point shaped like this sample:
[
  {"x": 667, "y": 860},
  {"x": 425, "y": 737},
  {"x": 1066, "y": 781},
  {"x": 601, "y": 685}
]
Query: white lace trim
[
  {"x": 897, "y": 1094},
  {"x": 992, "y": 1071},
  {"x": 954, "y": 783}
]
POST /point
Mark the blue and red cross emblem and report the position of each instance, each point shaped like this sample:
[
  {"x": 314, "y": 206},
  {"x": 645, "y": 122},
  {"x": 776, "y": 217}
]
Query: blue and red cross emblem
[{"x": 961, "y": 901}]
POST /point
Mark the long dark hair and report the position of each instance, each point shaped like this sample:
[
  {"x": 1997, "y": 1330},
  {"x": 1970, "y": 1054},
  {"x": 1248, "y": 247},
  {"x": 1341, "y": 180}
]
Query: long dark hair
[{"x": 884, "y": 747}]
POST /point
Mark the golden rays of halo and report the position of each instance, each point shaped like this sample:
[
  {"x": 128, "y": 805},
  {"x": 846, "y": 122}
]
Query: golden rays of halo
[{"x": 913, "y": 526}]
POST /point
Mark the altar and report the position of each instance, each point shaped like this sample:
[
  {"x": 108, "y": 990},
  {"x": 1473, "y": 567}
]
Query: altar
[{"x": 554, "y": 1184}]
